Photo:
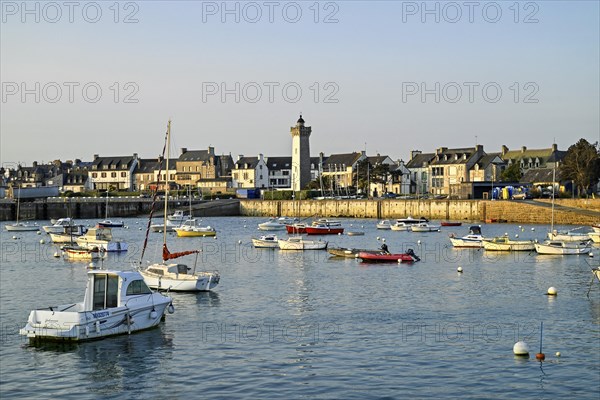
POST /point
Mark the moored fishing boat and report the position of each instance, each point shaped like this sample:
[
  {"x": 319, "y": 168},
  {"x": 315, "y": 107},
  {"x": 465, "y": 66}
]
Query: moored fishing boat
[
  {"x": 266, "y": 241},
  {"x": 401, "y": 226},
  {"x": 450, "y": 223},
  {"x": 276, "y": 224},
  {"x": 557, "y": 247},
  {"x": 107, "y": 223},
  {"x": 349, "y": 252},
  {"x": 323, "y": 229},
  {"x": 424, "y": 227},
  {"x": 179, "y": 216},
  {"x": 297, "y": 228},
  {"x": 190, "y": 228},
  {"x": 82, "y": 253},
  {"x": 385, "y": 224},
  {"x": 170, "y": 227},
  {"x": 411, "y": 220},
  {"x": 69, "y": 235},
  {"x": 58, "y": 225},
  {"x": 115, "y": 302},
  {"x": 473, "y": 239},
  {"x": 568, "y": 236},
  {"x": 504, "y": 243},
  {"x": 101, "y": 238},
  {"x": 299, "y": 243}
]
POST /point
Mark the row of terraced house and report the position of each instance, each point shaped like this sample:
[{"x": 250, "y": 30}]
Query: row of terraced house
[{"x": 454, "y": 172}]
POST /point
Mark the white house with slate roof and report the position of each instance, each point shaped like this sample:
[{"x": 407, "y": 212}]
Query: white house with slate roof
[
  {"x": 250, "y": 172},
  {"x": 114, "y": 173}
]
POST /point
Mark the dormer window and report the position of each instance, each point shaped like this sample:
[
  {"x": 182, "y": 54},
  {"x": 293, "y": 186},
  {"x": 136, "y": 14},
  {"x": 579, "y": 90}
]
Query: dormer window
[
  {"x": 445, "y": 157},
  {"x": 274, "y": 165},
  {"x": 464, "y": 156},
  {"x": 456, "y": 157},
  {"x": 124, "y": 166}
]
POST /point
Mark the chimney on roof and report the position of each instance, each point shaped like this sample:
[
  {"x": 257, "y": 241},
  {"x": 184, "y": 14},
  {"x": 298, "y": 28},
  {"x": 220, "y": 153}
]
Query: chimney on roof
[
  {"x": 183, "y": 150},
  {"x": 96, "y": 156},
  {"x": 414, "y": 153},
  {"x": 363, "y": 152},
  {"x": 441, "y": 150},
  {"x": 523, "y": 149},
  {"x": 135, "y": 156},
  {"x": 211, "y": 150},
  {"x": 554, "y": 147},
  {"x": 479, "y": 148},
  {"x": 240, "y": 156},
  {"x": 260, "y": 157},
  {"x": 504, "y": 150}
]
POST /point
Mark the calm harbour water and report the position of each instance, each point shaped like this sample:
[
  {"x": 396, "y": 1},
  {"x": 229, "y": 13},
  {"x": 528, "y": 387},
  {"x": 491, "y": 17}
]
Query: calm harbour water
[{"x": 304, "y": 325}]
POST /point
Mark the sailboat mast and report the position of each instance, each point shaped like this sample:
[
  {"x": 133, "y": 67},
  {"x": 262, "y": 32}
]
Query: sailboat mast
[
  {"x": 18, "y": 204},
  {"x": 553, "y": 179},
  {"x": 167, "y": 182}
]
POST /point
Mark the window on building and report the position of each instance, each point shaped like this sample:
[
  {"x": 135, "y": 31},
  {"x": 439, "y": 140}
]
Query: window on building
[
  {"x": 235, "y": 176},
  {"x": 94, "y": 175},
  {"x": 103, "y": 175},
  {"x": 245, "y": 175},
  {"x": 113, "y": 174},
  {"x": 123, "y": 174},
  {"x": 260, "y": 177}
]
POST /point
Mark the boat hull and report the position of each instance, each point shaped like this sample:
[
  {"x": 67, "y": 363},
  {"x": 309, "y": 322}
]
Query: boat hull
[
  {"x": 265, "y": 243},
  {"x": 271, "y": 226},
  {"x": 195, "y": 283},
  {"x": 302, "y": 245},
  {"x": 194, "y": 233},
  {"x": 349, "y": 252},
  {"x": 295, "y": 229},
  {"x": 81, "y": 254},
  {"x": 466, "y": 243},
  {"x": 568, "y": 237},
  {"x": 22, "y": 228},
  {"x": 112, "y": 246},
  {"x": 313, "y": 230},
  {"x": 448, "y": 223},
  {"x": 509, "y": 245},
  {"x": 566, "y": 249},
  {"x": 384, "y": 225},
  {"x": 385, "y": 257},
  {"x": 52, "y": 325}
]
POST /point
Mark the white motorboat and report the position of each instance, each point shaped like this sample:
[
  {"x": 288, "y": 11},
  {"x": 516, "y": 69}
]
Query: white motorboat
[
  {"x": 504, "y": 243},
  {"x": 191, "y": 228},
  {"x": 568, "y": 236},
  {"x": 299, "y": 243},
  {"x": 58, "y": 226},
  {"x": 176, "y": 277},
  {"x": 179, "y": 216},
  {"x": 161, "y": 227},
  {"x": 101, "y": 238},
  {"x": 69, "y": 234},
  {"x": 473, "y": 239},
  {"x": 411, "y": 220},
  {"x": 115, "y": 302},
  {"x": 425, "y": 227},
  {"x": 562, "y": 248},
  {"x": 385, "y": 224},
  {"x": 266, "y": 241},
  {"x": 276, "y": 224},
  {"x": 401, "y": 226}
]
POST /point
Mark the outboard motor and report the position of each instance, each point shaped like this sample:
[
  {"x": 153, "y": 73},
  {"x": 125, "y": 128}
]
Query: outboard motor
[{"x": 411, "y": 253}]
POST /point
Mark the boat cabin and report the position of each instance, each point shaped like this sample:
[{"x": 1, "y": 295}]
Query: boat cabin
[
  {"x": 100, "y": 234},
  {"x": 475, "y": 230},
  {"x": 162, "y": 270},
  {"x": 109, "y": 289}
]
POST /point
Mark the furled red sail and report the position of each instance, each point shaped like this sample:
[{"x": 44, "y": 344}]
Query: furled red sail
[{"x": 167, "y": 255}]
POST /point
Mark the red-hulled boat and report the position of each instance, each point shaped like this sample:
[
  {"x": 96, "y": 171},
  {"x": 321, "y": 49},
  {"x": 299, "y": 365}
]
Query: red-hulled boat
[
  {"x": 450, "y": 223},
  {"x": 409, "y": 256},
  {"x": 296, "y": 228},
  {"x": 323, "y": 229}
]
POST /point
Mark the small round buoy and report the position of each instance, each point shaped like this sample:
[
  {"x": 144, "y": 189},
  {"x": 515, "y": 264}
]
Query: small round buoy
[
  {"x": 56, "y": 254},
  {"x": 92, "y": 265},
  {"x": 383, "y": 239},
  {"x": 350, "y": 224},
  {"x": 558, "y": 354},
  {"x": 14, "y": 237},
  {"x": 505, "y": 233},
  {"x": 339, "y": 233},
  {"x": 591, "y": 255},
  {"x": 140, "y": 228},
  {"x": 378, "y": 238},
  {"x": 459, "y": 270},
  {"x": 519, "y": 226},
  {"x": 362, "y": 226},
  {"x": 533, "y": 229},
  {"x": 215, "y": 237},
  {"x": 419, "y": 242},
  {"x": 42, "y": 241},
  {"x": 137, "y": 222},
  {"x": 160, "y": 231},
  {"x": 517, "y": 235},
  {"x": 540, "y": 356},
  {"x": 39, "y": 233},
  {"x": 521, "y": 349},
  {"x": 245, "y": 226},
  {"x": 552, "y": 291},
  {"x": 239, "y": 242}
]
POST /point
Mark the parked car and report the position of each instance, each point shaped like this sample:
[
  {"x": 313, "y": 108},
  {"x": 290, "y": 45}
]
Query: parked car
[
  {"x": 522, "y": 196},
  {"x": 390, "y": 195}
]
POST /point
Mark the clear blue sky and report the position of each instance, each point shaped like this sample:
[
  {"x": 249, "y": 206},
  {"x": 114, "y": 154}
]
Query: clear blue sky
[{"x": 375, "y": 61}]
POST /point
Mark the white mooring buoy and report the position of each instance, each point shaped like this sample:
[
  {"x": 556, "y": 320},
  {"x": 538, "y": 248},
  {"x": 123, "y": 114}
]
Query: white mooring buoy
[
  {"x": 459, "y": 269},
  {"x": 552, "y": 291},
  {"x": 56, "y": 254},
  {"x": 39, "y": 233},
  {"x": 42, "y": 241},
  {"x": 521, "y": 349},
  {"x": 558, "y": 354}
]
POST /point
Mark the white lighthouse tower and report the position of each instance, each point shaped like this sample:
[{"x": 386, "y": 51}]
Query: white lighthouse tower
[{"x": 300, "y": 155}]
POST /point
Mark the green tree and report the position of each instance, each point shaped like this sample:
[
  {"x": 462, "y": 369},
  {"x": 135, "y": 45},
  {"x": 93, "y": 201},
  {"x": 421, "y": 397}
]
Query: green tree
[
  {"x": 380, "y": 174},
  {"x": 511, "y": 174},
  {"x": 581, "y": 165},
  {"x": 361, "y": 174}
]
